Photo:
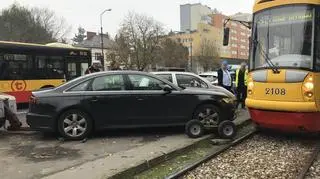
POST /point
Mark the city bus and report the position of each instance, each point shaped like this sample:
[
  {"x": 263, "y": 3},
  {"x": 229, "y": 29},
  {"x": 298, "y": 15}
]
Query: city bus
[
  {"x": 284, "y": 76},
  {"x": 25, "y": 67}
]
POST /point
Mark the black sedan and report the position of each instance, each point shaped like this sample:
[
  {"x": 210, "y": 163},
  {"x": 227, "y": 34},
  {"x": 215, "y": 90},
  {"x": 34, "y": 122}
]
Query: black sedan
[{"x": 124, "y": 99}]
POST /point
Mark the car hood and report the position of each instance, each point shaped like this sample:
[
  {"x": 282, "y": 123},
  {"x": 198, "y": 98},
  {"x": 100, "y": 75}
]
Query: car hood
[
  {"x": 222, "y": 90},
  {"x": 211, "y": 91}
]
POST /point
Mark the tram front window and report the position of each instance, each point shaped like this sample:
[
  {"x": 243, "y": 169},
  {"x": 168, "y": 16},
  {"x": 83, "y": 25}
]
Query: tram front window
[{"x": 283, "y": 35}]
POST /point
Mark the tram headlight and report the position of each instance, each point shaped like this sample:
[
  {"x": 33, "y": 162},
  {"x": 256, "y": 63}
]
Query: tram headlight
[
  {"x": 250, "y": 85},
  {"x": 309, "y": 94},
  {"x": 308, "y": 86}
]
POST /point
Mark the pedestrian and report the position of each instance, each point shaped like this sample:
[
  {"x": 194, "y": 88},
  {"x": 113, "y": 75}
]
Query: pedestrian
[
  {"x": 224, "y": 77},
  {"x": 93, "y": 68},
  {"x": 241, "y": 84}
]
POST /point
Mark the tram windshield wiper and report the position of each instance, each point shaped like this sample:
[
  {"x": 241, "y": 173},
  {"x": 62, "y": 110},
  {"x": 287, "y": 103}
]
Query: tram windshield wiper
[{"x": 266, "y": 57}]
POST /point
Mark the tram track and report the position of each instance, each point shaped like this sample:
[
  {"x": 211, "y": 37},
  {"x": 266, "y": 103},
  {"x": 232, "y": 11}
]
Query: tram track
[
  {"x": 189, "y": 159},
  {"x": 280, "y": 158},
  {"x": 309, "y": 162},
  {"x": 251, "y": 155},
  {"x": 210, "y": 156}
]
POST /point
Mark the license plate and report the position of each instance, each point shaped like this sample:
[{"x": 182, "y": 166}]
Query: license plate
[{"x": 276, "y": 91}]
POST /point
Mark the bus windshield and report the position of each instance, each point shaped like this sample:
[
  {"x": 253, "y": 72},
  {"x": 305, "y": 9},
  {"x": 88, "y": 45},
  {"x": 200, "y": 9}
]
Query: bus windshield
[{"x": 283, "y": 35}]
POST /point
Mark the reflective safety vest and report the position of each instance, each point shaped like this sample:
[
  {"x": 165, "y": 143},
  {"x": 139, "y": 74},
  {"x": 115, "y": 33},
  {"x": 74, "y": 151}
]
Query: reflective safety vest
[{"x": 245, "y": 77}]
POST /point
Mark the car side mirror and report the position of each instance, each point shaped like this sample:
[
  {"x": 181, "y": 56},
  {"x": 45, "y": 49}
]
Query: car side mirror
[
  {"x": 167, "y": 88},
  {"x": 226, "y": 33}
]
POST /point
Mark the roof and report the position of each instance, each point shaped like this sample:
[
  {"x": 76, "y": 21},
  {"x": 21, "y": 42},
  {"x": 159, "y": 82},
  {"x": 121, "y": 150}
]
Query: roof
[
  {"x": 210, "y": 73},
  {"x": 173, "y": 72},
  {"x": 60, "y": 45},
  {"x": 50, "y": 45},
  {"x": 95, "y": 42},
  {"x": 264, "y": 4}
]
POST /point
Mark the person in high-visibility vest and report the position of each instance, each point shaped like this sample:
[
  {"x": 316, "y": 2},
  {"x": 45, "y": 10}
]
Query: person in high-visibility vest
[{"x": 241, "y": 84}]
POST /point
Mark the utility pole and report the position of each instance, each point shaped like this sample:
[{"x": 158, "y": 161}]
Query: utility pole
[
  {"x": 101, "y": 34},
  {"x": 191, "y": 64}
]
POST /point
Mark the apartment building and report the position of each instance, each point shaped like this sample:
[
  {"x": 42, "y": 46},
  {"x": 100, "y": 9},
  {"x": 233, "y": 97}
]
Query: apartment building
[{"x": 239, "y": 34}]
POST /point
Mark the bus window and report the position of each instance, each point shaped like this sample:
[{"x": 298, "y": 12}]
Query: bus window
[
  {"x": 4, "y": 67},
  {"x": 40, "y": 72},
  {"x": 16, "y": 66},
  {"x": 55, "y": 67},
  {"x": 72, "y": 71}
]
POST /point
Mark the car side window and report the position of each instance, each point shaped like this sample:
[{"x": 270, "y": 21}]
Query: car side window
[
  {"x": 108, "y": 83},
  {"x": 210, "y": 78},
  {"x": 190, "y": 81},
  {"x": 142, "y": 82},
  {"x": 81, "y": 87},
  {"x": 166, "y": 76}
]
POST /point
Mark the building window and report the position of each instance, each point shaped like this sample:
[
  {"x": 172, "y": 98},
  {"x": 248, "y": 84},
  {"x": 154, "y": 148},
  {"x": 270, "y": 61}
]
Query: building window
[
  {"x": 97, "y": 56},
  {"x": 243, "y": 47},
  {"x": 234, "y": 53}
]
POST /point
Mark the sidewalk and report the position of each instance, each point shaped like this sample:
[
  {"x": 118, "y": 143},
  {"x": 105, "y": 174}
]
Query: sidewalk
[{"x": 111, "y": 165}]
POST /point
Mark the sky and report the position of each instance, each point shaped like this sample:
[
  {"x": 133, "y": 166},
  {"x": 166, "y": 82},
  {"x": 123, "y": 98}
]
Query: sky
[{"x": 86, "y": 13}]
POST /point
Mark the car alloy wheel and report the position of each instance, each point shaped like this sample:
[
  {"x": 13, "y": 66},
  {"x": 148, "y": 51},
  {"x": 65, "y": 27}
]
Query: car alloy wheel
[
  {"x": 208, "y": 115},
  {"x": 74, "y": 125}
]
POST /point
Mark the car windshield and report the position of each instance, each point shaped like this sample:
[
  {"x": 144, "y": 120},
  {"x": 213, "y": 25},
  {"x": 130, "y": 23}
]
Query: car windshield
[{"x": 283, "y": 36}]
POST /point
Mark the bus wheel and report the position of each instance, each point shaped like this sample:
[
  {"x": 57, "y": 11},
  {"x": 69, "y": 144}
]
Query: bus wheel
[{"x": 75, "y": 125}]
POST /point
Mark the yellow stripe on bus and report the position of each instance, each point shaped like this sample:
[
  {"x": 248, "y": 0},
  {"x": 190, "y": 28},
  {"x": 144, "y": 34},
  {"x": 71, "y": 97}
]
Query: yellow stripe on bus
[{"x": 27, "y": 85}]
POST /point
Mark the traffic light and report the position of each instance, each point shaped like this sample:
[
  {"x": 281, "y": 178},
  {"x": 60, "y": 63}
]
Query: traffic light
[{"x": 226, "y": 32}]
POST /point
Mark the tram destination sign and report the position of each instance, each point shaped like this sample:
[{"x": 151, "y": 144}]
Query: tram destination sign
[{"x": 285, "y": 18}]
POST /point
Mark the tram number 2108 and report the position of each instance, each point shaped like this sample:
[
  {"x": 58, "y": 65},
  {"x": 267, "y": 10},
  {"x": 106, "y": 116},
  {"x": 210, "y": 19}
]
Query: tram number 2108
[{"x": 275, "y": 91}]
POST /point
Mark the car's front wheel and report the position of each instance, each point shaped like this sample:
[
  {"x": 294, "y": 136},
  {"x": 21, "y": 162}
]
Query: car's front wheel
[
  {"x": 208, "y": 115},
  {"x": 75, "y": 125}
]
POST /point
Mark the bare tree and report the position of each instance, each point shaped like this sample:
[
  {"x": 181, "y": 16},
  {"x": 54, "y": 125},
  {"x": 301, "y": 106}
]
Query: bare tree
[
  {"x": 173, "y": 54},
  {"x": 142, "y": 34},
  {"x": 208, "y": 54},
  {"x": 18, "y": 23},
  {"x": 47, "y": 18},
  {"x": 121, "y": 48}
]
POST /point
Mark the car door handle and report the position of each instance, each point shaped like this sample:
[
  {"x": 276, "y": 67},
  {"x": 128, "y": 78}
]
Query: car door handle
[
  {"x": 94, "y": 99},
  {"x": 139, "y": 99}
]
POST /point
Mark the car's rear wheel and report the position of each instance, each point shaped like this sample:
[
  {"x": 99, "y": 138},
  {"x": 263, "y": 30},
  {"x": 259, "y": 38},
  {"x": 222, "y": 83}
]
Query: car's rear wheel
[
  {"x": 75, "y": 125},
  {"x": 208, "y": 115}
]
